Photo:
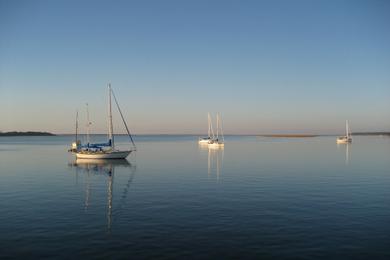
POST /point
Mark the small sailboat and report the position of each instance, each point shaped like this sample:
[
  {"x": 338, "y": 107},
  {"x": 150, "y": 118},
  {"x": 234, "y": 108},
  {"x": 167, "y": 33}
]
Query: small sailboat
[
  {"x": 77, "y": 143},
  {"x": 103, "y": 150},
  {"x": 210, "y": 132},
  {"x": 218, "y": 140},
  {"x": 347, "y": 138}
]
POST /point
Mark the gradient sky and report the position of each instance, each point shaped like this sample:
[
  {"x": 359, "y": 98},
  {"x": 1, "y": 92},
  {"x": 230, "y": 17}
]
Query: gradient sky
[{"x": 267, "y": 66}]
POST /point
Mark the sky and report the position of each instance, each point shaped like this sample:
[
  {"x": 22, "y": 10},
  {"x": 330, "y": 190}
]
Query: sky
[{"x": 265, "y": 66}]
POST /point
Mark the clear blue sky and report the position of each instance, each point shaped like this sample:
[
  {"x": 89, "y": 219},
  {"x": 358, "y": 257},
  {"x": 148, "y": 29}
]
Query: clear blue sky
[{"x": 267, "y": 66}]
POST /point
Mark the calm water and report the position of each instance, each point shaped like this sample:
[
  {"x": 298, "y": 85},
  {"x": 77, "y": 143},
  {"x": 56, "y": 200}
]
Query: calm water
[{"x": 259, "y": 197}]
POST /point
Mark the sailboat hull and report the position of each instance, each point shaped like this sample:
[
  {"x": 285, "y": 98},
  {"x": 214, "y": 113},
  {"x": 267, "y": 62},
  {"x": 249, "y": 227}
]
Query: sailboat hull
[
  {"x": 204, "y": 140},
  {"x": 104, "y": 155},
  {"x": 344, "y": 140},
  {"x": 216, "y": 145}
]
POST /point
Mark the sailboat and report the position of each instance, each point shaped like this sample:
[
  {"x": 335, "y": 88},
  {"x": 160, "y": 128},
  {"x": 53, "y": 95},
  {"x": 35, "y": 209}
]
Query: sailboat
[
  {"x": 217, "y": 141},
  {"x": 103, "y": 150},
  {"x": 77, "y": 143},
  {"x": 347, "y": 138},
  {"x": 210, "y": 132}
]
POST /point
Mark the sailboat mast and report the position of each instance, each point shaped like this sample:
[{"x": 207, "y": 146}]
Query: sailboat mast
[
  {"x": 346, "y": 128},
  {"x": 77, "y": 125},
  {"x": 217, "y": 125},
  {"x": 208, "y": 121},
  {"x": 223, "y": 138},
  {"x": 110, "y": 125},
  {"x": 211, "y": 127},
  {"x": 88, "y": 124}
]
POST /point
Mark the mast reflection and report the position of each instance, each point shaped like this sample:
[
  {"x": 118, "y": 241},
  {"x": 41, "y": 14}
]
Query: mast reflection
[
  {"x": 347, "y": 152},
  {"x": 103, "y": 167},
  {"x": 214, "y": 159}
]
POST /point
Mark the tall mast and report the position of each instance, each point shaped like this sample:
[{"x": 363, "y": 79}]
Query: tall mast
[
  {"x": 211, "y": 127},
  {"x": 223, "y": 138},
  {"x": 208, "y": 121},
  {"x": 88, "y": 124},
  {"x": 77, "y": 124},
  {"x": 217, "y": 125},
  {"x": 110, "y": 126},
  {"x": 346, "y": 128}
]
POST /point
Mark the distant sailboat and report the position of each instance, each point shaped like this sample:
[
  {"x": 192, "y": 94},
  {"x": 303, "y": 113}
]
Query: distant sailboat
[
  {"x": 76, "y": 144},
  {"x": 210, "y": 132},
  {"x": 347, "y": 138},
  {"x": 103, "y": 150},
  {"x": 218, "y": 140}
]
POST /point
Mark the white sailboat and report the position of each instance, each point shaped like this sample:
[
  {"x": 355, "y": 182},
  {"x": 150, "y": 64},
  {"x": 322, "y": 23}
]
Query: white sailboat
[
  {"x": 104, "y": 150},
  {"x": 76, "y": 144},
  {"x": 347, "y": 138},
  {"x": 210, "y": 132},
  {"x": 218, "y": 140}
]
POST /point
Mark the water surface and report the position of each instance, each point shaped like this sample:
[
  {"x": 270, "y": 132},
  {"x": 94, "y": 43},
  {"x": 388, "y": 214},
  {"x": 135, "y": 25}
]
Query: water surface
[{"x": 305, "y": 198}]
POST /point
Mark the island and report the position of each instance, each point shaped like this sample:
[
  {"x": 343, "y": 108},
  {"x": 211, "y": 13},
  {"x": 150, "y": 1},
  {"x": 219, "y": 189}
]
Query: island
[
  {"x": 371, "y": 133},
  {"x": 28, "y": 133}
]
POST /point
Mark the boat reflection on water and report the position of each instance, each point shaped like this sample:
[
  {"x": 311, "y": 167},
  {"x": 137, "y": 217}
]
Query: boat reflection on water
[
  {"x": 347, "y": 152},
  {"x": 214, "y": 159},
  {"x": 104, "y": 167}
]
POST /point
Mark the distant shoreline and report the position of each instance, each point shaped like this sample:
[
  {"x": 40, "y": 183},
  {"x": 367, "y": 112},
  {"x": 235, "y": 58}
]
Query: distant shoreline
[
  {"x": 289, "y": 135},
  {"x": 311, "y": 135},
  {"x": 28, "y": 133},
  {"x": 371, "y": 133}
]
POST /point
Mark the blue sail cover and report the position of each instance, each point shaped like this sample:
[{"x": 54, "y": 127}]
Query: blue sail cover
[{"x": 97, "y": 145}]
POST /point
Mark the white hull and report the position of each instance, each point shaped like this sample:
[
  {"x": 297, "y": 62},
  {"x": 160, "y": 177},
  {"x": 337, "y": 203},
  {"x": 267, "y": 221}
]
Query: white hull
[
  {"x": 216, "y": 145},
  {"x": 344, "y": 140},
  {"x": 105, "y": 155},
  {"x": 204, "y": 141},
  {"x": 215, "y": 142},
  {"x": 102, "y": 162}
]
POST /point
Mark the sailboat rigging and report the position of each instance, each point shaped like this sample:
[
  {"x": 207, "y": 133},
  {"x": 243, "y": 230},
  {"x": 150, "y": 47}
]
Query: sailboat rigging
[
  {"x": 218, "y": 140},
  {"x": 210, "y": 132},
  {"x": 347, "y": 138},
  {"x": 102, "y": 150}
]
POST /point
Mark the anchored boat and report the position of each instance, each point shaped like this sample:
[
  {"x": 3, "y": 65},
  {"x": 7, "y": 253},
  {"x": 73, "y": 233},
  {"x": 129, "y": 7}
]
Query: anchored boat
[
  {"x": 347, "y": 138},
  {"x": 217, "y": 141},
  {"x": 103, "y": 150},
  {"x": 210, "y": 132}
]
